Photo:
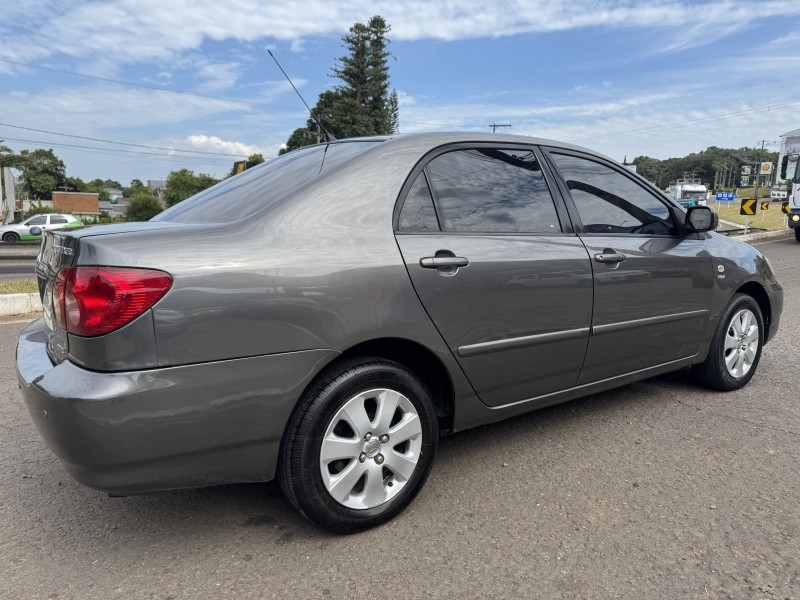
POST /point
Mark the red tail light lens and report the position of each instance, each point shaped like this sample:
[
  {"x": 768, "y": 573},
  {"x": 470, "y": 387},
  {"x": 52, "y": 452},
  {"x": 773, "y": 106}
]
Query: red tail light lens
[{"x": 91, "y": 301}]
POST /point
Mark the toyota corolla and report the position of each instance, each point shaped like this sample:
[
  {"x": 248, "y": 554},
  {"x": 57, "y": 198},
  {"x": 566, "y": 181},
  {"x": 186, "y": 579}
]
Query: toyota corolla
[{"x": 325, "y": 317}]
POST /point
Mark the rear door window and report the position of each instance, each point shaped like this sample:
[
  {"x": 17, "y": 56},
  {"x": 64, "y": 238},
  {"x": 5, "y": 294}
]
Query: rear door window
[{"x": 486, "y": 190}]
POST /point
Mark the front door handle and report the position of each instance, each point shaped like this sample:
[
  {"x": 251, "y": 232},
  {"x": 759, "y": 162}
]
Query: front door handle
[
  {"x": 438, "y": 262},
  {"x": 608, "y": 256}
]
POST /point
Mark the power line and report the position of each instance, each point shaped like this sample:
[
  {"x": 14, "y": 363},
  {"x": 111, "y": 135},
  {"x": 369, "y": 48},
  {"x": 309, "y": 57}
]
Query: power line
[
  {"x": 143, "y": 85},
  {"x": 92, "y": 139},
  {"x": 120, "y": 152}
]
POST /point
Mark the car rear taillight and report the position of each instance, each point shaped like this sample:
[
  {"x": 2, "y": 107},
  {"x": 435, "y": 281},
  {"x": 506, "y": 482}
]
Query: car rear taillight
[{"x": 93, "y": 300}]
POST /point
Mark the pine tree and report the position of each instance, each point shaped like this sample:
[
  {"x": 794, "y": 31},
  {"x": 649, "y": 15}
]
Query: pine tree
[{"x": 361, "y": 104}]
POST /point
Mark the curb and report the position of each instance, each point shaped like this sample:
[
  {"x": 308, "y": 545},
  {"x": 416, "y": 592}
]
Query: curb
[
  {"x": 19, "y": 304},
  {"x": 762, "y": 236}
]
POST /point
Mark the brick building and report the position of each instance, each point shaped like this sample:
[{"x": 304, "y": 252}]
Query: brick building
[{"x": 80, "y": 204}]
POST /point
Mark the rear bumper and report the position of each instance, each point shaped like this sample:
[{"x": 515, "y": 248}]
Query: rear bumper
[{"x": 167, "y": 428}]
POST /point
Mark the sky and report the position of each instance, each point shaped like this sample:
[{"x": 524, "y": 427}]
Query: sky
[{"x": 190, "y": 84}]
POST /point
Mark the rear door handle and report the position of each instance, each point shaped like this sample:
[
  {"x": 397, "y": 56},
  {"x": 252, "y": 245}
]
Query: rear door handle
[
  {"x": 437, "y": 262},
  {"x": 610, "y": 257}
]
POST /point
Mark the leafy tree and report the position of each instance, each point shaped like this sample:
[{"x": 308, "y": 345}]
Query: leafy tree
[
  {"x": 255, "y": 159},
  {"x": 42, "y": 173},
  {"x": 136, "y": 183},
  {"x": 394, "y": 113},
  {"x": 701, "y": 165},
  {"x": 75, "y": 184},
  {"x": 300, "y": 137},
  {"x": 142, "y": 206},
  {"x": 361, "y": 105},
  {"x": 38, "y": 209},
  {"x": 252, "y": 161},
  {"x": 184, "y": 183}
]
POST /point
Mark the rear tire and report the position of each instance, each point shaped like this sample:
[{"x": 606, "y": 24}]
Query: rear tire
[
  {"x": 10, "y": 237},
  {"x": 360, "y": 445},
  {"x": 736, "y": 346}
]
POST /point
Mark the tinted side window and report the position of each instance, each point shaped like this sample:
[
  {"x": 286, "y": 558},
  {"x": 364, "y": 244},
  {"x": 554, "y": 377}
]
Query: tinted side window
[
  {"x": 37, "y": 221},
  {"x": 56, "y": 220},
  {"x": 486, "y": 190},
  {"x": 244, "y": 194},
  {"x": 418, "y": 213},
  {"x": 609, "y": 202}
]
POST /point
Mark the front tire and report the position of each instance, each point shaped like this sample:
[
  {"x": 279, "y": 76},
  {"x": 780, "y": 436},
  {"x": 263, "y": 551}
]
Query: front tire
[
  {"x": 736, "y": 346},
  {"x": 360, "y": 445},
  {"x": 797, "y": 233}
]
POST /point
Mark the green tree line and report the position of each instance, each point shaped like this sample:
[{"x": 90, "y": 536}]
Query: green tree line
[{"x": 702, "y": 165}]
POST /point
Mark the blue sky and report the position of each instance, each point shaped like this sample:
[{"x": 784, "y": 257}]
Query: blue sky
[{"x": 622, "y": 77}]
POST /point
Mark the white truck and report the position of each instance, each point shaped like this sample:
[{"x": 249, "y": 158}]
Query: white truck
[
  {"x": 791, "y": 163},
  {"x": 688, "y": 192}
]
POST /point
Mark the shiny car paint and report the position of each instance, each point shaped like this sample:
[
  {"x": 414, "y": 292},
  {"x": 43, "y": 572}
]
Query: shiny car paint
[{"x": 199, "y": 389}]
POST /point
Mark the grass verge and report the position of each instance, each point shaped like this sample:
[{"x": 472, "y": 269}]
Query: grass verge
[
  {"x": 771, "y": 220},
  {"x": 23, "y": 286}
]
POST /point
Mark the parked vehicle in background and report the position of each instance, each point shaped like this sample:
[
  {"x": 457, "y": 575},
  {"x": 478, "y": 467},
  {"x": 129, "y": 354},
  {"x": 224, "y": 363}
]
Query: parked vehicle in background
[
  {"x": 794, "y": 197},
  {"x": 688, "y": 193},
  {"x": 323, "y": 317},
  {"x": 779, "y": 191},
  {"x": 31, "y": 228}
]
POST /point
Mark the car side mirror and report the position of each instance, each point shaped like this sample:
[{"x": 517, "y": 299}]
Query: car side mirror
[
  {"x": 784, "y": 164},
  {"x": 701, "y": 218}
]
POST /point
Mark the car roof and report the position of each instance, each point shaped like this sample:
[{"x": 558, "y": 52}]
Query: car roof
[{"x": 430, "y": 140}]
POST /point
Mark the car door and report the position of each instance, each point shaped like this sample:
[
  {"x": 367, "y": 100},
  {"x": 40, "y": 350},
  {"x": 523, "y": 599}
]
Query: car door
[
  {"x": 507, "y": 286},
  {"x": 57, "y": 222},
  {"x": 34, "y": 227},
  {"x": 652, "y": 283}
]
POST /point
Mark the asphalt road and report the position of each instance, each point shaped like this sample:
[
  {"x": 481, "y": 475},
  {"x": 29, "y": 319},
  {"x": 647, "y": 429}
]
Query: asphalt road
[
  {"x": 17, "y": 269},
  {"x": 659, "y": 490}
]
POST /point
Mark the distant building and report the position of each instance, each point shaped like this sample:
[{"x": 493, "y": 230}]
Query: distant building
[
  {"x": 114, "y": 193},
  {"x": 80, "y": 204},
  {"x": 156, "y": 184},
  {"x": 113, "y": 210}
]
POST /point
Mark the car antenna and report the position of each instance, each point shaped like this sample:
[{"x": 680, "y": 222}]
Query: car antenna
[{"x": 329, "y": 137}]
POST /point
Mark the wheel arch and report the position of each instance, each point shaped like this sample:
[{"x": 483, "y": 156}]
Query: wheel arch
[
  {"x": 416, "y": 357},
  {"x": 421, "y": 361},
  {"x": 759, "y": 294}
]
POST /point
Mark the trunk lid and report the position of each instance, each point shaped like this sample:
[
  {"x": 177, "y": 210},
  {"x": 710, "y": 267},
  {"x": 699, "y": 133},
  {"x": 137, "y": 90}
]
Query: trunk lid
[{"x": 89, "y": 246}]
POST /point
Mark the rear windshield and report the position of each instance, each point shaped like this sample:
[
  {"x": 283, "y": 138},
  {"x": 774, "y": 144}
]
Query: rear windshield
[{"x": 246, "y": 193}]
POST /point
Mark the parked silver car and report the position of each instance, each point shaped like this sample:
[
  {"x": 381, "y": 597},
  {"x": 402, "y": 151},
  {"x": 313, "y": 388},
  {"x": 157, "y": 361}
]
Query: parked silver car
[
  {"x": 31, "y": 228},
  {"x": 324, "y": 317}
]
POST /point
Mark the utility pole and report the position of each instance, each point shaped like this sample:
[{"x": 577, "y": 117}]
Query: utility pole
[
  {"x": 758, "y": 170},
  {"x": 494, "y": 127}
]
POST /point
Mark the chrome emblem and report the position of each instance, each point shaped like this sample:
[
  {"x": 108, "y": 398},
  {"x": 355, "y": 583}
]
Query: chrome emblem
[
  {"x": 63, "y": 250},
  {"x": 372, "y": 447}
]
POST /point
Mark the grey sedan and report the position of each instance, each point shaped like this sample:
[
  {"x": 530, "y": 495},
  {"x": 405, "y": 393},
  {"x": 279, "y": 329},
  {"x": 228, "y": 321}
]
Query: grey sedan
[{"x": 325, "y": 317}]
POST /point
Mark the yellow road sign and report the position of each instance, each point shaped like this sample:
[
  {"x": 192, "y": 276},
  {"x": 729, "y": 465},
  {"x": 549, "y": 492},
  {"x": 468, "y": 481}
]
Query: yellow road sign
[
  {"x": 748, "y": 207},
  {"x": 785, "y": 207},
  {"x": 765, "y": 205}
]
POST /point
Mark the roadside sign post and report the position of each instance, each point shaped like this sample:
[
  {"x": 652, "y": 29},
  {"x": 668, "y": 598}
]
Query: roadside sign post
[
  {"x": 724, "y": 197},
  {"x": 748, "y": 209}
]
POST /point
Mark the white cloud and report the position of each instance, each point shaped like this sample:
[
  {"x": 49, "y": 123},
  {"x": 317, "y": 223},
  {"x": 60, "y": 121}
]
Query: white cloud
[
  {"x": 138, "y": 30},
  {"x": 212, "y": 143}
]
